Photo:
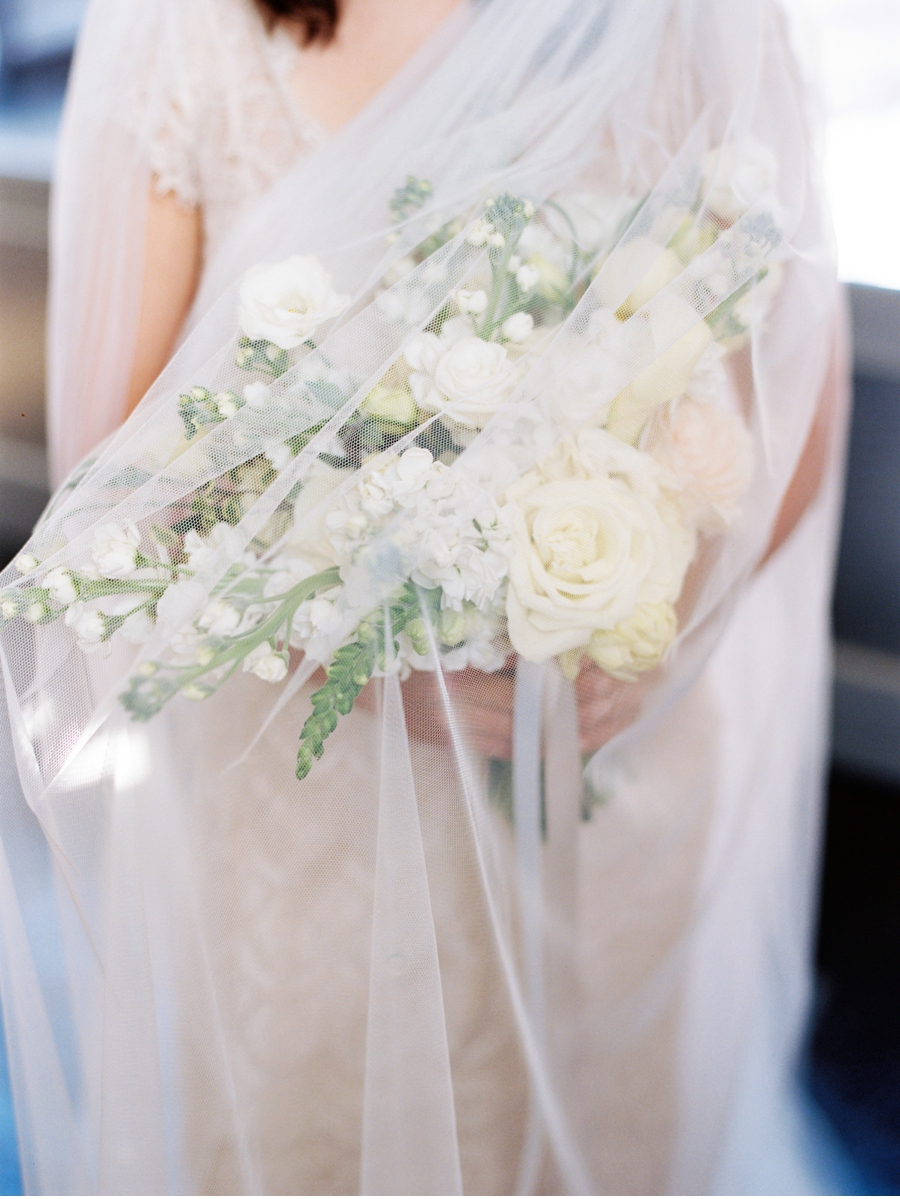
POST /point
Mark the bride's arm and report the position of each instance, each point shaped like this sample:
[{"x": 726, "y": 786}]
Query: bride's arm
[{"x": 172, "y": 261}]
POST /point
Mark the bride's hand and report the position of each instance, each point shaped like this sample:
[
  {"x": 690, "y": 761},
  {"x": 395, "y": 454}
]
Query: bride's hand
[{"x": 483, "y": 705}]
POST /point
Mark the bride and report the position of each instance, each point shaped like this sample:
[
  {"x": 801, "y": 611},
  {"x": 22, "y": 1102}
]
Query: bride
[{"x": 415, "y": 710}]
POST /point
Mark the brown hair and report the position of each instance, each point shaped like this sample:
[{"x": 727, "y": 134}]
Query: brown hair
[{"x": 317, "y": 19}]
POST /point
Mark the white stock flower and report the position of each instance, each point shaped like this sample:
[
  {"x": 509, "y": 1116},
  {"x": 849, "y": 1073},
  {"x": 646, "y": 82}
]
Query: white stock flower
[
  {"x": 266, "y": 664},
  {"x": 637, "y": 644},
  {"x": 738, "y": 175},
  {"x": 137, "y": 627},
  {"x": 257, "y": 394},
  {"x": 287, "y": 302},
  {"x": 227, "y": 403},
  {"x": 26, "y": 563},
  {"x": 115, "y": 549},
  {"x": 709, "y": 451},
  {"x": 317, "y": 618},
  {"x": 528, "y": 276},
  {"x": 219, "y": 618},
  {"x": 590, "y": 544},
  {"x": 474, "y": 302},
  {"x": 203, "y": 552},
  {"x": 518, "y": 326},
  {"x": 88, "y": 625},
  {"x": 61, "y": 586},
  {"x": 278, "y": 454}
]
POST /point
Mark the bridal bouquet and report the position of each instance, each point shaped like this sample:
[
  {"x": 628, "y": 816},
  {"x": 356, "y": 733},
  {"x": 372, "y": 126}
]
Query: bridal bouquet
[{"x": 582, "y": 554}]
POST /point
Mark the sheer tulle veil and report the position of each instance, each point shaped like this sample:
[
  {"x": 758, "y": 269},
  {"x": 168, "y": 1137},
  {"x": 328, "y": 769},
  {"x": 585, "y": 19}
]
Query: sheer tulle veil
[{"x": 501, "y": 387}]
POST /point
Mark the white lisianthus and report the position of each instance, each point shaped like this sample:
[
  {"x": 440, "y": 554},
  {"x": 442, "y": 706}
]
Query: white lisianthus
[
  {"x": 590, "y": 544},
  {"x": 36, "y": 612},
  {"x": 738, "y": 175},
  {"x": 60, "y": 584},
  {"x": 473, "y": 379},
  {"x": 518, "y": 326},
  {"x": 709, "y": 451},
  {"x": 266, "y": 664},
  {"x": 637, "y": 644},
  {"x": 219, "y": 618},
  {"x": 88, "y": 625},
  {"x": 287, "y": 302},
  {"x": 26, "y": 563},
  {"x": 317, "y": 618},
  {"x": 115, "y": 549},
  {"x": 473, "y": 302}
]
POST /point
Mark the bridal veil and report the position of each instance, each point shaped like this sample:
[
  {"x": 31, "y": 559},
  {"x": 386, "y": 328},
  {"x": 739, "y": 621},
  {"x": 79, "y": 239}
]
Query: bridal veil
[{"x": 488, "y": 406}]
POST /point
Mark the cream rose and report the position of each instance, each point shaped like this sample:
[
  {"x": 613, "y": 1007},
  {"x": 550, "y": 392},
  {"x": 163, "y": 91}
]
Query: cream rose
[
  {"x": 287, "y": 302},
  {"x": 588, "y": 550},
  {"x": 710, "y": 452},
  {"x": 637, "y": 644}
]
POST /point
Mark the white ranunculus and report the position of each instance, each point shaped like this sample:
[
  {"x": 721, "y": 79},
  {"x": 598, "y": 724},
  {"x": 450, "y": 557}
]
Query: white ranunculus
[
  {"x": 287, "y": 302},
  {"x": 219, "y": 618},
  {"x": 473, "y": 378},
  {"x": 518, "y": 326},
  {"x": 709, "y": 451},
  {"x": 266, "y": 664},
  {"x": 115, "y": 549},
  {"x": 88, "y": 625},
  {"x": 738, "y": 175},
  {"x": 637, "y": 644},
  {"x": 589, "y": 545},
  {"x": 390, "y": 403},
  {"x": 60, "y": 584}
]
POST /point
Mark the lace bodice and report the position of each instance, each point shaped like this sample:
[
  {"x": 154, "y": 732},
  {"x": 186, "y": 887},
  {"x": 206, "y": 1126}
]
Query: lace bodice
[{"x": 232, "y": 125}]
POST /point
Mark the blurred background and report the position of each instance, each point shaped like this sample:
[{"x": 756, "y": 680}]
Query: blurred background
[{"x": 851, "y": 1071}]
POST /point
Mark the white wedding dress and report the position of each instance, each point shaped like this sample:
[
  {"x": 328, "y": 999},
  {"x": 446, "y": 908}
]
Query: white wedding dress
[
  {"x": 674, "y": 1014},
  {"x": 697, "y": 868}
]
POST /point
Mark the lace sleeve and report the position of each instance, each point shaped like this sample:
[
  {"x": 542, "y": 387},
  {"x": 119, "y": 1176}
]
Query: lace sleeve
[{"x": 173, "y": 160}]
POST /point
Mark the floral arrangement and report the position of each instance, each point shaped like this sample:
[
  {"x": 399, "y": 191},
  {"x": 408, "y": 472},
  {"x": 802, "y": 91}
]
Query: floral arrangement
[{"x": 583, "y": 555}]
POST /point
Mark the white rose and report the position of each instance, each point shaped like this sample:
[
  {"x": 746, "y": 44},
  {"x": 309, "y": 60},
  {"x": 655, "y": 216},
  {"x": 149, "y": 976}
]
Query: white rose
[
  {"x": 61, "y": 586},
  {"x": 709, "y": 451},
  {"x": 287, "y": 302},
  {"x": 637, "y": 644},
  {"x": 473, "y": 378},
  {"x": 219, "y": 618},
  {"x": 587, "y": 550},
  {"x": 266, "y": 664},
  {"x": 115, "y": 549},
  {"x": 518, "y": 326},
  {"x": 88, "y": 625},
  {"x": 738, "y": 175}
]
